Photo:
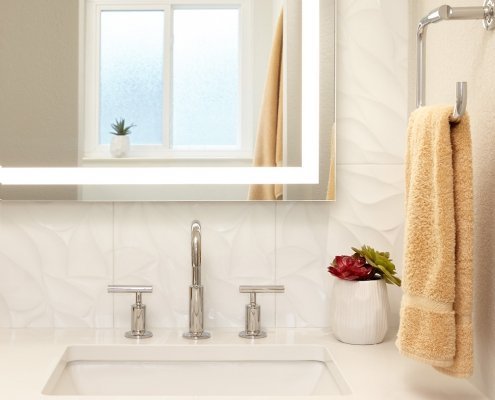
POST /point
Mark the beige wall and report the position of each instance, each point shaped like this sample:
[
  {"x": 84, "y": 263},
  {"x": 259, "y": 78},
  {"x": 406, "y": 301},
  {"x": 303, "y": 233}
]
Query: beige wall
[
  {"x": 464, "y": 51},
  {"x": 38, "y": 87}
]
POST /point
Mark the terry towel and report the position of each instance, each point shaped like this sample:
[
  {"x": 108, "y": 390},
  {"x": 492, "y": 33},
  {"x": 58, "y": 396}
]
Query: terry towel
[
  {"x": 435, "y": 317},
  {"x": 269, "y": 142},
  {"x": 331, "y": 175}
]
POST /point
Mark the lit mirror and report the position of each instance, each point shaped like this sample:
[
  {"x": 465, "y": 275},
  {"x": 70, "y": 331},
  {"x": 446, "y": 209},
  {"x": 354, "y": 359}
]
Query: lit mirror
[{"x": 193, "y": 100}]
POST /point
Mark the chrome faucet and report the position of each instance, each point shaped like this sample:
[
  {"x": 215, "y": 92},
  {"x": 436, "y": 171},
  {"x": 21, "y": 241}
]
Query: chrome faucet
[
  {"x": 138, "y": 310},
  {"x": 253, "y": 310},
  {"x": 196, "y": 322}
]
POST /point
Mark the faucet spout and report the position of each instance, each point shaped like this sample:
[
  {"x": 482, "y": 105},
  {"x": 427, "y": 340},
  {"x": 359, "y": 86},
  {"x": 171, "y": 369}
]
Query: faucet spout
[
  {"x": 196, "y": 290},
  {"x": 196, "y": 253}
]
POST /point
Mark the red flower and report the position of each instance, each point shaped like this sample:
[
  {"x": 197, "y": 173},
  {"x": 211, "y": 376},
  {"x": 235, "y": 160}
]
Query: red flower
[{"x": 351, "y": 268}]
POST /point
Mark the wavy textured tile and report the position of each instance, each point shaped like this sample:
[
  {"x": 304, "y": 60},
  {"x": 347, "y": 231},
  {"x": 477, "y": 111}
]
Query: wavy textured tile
[
  {"x": 372, "y": 84},
  {"x": 369, "y": 210},
  {"x": 153, "y": 247},
  {"x": 56, "y": 260},
  {"x": 302, "y": 230}
]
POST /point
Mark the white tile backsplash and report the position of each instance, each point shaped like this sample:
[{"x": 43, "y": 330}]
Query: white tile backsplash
[
  {"x": 55, "y": 260},
  {"x": 370, "y": 210},
  {"x": 152, "y": 246},
  {"x": 302, "y": 260}
]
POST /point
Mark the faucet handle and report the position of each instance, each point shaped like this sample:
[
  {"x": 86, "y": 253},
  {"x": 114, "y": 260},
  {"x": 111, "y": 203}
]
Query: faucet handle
[
  {"x": 138, "y": 310},
  {"x": 262, "y": 289},
  {"x": 129, "y": 289},
  {"x": 253, "y": 310}
]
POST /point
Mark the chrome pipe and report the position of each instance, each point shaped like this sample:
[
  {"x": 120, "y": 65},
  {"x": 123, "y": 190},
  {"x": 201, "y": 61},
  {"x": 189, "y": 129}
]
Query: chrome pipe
[
  {"x": 466, "y": 12},
  {"x": 420, "y": 67},
  {"x": 445, "y": 13},
  {"x": 460, "y": 103},
  {"x": 433, "y": 16}
]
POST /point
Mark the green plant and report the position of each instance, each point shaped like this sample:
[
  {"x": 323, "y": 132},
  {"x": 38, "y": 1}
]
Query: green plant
[
  {"x": 381, "y": 263},
  {"x": 119, "y": 128}
]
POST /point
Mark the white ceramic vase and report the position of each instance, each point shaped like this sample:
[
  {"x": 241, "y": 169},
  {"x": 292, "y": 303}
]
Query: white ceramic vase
[
  {"x": 119, "y": 146},
  {"x": 359, "y": 311}
]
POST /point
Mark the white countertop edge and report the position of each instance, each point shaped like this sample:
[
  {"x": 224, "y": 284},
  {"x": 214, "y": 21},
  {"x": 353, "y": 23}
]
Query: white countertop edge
[{"x": 372, "y": 372}]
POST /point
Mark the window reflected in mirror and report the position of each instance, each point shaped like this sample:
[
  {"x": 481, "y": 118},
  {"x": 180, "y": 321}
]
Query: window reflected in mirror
[{"x": 189, "y": 78}]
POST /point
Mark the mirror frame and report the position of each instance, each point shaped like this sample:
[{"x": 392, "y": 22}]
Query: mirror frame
[{"x": 308, "y": 173}]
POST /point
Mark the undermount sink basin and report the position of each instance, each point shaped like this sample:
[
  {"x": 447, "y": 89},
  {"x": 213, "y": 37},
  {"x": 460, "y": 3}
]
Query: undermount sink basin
[{"x": 271, "y": 370}]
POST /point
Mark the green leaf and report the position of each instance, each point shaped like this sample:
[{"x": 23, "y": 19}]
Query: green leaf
[
  {"x": 120, "y": 129},
  {"x": 381, "y": 262}
]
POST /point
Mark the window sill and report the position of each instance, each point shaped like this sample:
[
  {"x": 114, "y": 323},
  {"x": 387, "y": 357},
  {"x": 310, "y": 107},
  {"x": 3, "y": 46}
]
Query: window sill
[{"x": 167, "y": 162}]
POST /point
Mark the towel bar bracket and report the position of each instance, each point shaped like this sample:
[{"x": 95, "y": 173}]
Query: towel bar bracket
[
  {"x": 446, "y": 13},
  {"x": 489, "y": 21}
]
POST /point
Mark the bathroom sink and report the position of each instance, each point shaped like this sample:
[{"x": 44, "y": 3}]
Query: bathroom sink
[{"x": 244, "y": 370}]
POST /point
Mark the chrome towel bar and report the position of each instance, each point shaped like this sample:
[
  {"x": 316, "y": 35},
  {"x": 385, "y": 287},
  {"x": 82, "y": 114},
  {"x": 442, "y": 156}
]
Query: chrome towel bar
[{"x": 447, "y": 13}]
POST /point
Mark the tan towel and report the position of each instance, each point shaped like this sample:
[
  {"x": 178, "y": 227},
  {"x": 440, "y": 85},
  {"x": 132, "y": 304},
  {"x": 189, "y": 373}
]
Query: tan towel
[
  {"x": 269, "y": 142},
  {"x": 435, "y": 325},
  {"x": 331, "y": 176}
]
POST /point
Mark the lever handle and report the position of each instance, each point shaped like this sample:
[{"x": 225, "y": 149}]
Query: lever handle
[
  {"x": 253, "y": 310},
  {"x": 262, "y": 289},
  {"x": 129, "y": 289},
  {"x": 138, "y": 310}
]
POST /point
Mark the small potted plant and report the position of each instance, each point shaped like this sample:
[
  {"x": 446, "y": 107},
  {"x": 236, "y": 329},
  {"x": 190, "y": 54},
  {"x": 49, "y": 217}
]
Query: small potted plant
[
  {"x": 359, "y": 301},
  {"x": 119, "y": 146}
]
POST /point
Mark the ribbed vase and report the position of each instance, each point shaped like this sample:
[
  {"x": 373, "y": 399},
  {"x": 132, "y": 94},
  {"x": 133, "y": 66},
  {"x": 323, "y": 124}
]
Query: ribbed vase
[{"x": 359, "y": 311}]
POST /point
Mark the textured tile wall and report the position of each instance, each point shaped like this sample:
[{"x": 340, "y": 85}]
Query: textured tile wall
[
  {"x": 372, "y": 81},
  {"x": 152, "y": 245},
  {"x": 372, "y": 113},
  {"x": 57, "y": 258},
  {"x": 55, "y": 262}
]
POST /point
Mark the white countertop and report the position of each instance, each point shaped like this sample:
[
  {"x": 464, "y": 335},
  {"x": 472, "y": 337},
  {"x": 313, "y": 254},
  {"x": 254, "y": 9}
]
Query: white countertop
[{"x": 28, "y": 357}]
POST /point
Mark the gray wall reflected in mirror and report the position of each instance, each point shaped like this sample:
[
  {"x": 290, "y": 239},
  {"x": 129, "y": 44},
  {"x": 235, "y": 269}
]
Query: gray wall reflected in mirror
[{"x": 39, "y": 106}]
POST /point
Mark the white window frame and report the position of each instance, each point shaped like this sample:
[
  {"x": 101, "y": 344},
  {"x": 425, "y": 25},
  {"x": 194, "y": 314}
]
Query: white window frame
[{"x": 90, "y": 64}]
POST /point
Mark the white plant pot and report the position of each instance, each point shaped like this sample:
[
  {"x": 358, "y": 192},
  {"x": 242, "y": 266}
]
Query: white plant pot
[
  {"x": 359, "y": 311},
  {"x": 119, "y": 146}
]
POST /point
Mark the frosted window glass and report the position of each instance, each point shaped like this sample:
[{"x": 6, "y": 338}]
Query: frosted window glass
[
  {"x": 131, "y": 73},
  {"x": 205, "y": 78}
]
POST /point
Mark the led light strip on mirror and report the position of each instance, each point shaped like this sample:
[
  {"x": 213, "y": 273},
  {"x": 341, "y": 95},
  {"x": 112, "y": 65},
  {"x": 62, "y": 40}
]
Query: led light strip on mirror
[
  {"x": 308, "y": 173},
  {"x": 155, "y": 176}
]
